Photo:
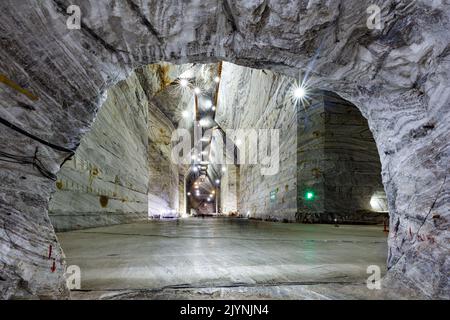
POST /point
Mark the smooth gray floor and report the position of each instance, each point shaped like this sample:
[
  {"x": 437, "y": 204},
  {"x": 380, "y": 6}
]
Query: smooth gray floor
[{"x": 220, "y": 252}]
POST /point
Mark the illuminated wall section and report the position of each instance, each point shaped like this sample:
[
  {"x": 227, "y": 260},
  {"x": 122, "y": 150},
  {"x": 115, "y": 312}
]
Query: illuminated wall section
[{"x": 339, "y": 171}]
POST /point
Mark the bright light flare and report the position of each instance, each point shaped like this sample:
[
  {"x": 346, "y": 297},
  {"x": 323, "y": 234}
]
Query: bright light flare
[
  {"x": 299, "y": 93},
  {"x": 309, "y": 195},
  {"x": 184, "y": 83}
]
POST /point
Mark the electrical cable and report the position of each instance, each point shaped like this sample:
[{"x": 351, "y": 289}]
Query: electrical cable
[
  {"x": 29, "y": 135},
  {"x": 27, "y": 160},
  {"x": 34, "y": 160}
]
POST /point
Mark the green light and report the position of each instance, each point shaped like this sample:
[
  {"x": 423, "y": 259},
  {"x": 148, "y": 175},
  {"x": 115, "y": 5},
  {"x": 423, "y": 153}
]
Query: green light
[{"x": 309, "y": 195}]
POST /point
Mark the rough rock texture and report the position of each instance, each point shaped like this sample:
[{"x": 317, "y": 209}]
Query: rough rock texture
[
  {"x": 166, "y": 103},
  {"x": 163, "y": 197},
  {"x": 122, "y": 171},
  {"x": 106, "y": 182},
  {"x": 229, "y": 186},
  {"x": 398, "y": 77},
  {"x": 325, "y": 147},
  {"x": 253, "y": 99},
  {"x": 337, "y": 163}
]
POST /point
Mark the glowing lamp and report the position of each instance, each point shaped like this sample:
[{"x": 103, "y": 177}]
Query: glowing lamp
[
  {"x": 299, "y": 93},
  {"x": 309, "y": 195},
  {"x": 184, "y": 83}
]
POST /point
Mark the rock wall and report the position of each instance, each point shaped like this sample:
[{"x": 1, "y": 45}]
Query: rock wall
[
  {"x": 106, "y": 182},
  {"x": 336, "y": 160},
  {"x": 352, "y": 167},
  {"x": 229, "y": 190},
  {"x": 163, "y": 197},
  {"x": 339, "y": 169},
  {"x": 122, "y": 171},
  {"x": 53, "y": 80},
  {"x": 251, "y": 99},
  {"x": 310, "y": 158}
]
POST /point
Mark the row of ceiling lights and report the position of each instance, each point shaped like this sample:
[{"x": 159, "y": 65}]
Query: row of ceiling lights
[
  {"x": 197, "y": 192},
  {"x": 298, "y": 94},
  {"x": 185, "y": 83}
]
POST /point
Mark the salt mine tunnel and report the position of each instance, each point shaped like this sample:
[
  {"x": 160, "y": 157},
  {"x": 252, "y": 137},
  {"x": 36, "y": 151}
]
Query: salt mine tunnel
[{"x": 224, "y": 149}]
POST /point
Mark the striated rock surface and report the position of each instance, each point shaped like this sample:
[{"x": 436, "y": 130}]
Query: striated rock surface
[
  {"x": 251, "y": 99},
  {"x": 53, "y": 80},
  {"x": 122, "y": 171},
  {"x": 338, "y": 166},
  {"x": 325, "y": 149},
  {"x": 106, "y": 182}
]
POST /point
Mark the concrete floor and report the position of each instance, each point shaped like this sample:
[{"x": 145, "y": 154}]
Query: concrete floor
[{"x": 225, "y": 258}]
